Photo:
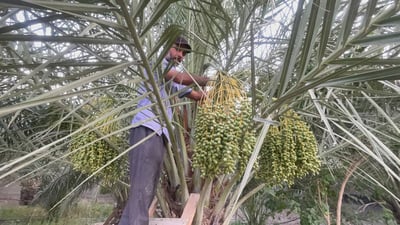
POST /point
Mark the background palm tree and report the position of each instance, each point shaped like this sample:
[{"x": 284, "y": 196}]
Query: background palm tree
[{"x": 333, "y": 62}]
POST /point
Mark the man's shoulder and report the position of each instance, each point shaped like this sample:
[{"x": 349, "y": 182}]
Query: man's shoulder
[{"x": 166, "y": 64}]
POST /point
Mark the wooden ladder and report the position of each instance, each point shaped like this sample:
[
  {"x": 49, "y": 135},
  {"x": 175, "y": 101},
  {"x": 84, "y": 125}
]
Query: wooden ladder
[{"x": 186, "y": 217}]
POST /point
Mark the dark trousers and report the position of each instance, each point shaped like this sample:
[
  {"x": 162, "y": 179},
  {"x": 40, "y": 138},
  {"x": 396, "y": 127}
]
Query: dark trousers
[{"x": 145, "y": 163}]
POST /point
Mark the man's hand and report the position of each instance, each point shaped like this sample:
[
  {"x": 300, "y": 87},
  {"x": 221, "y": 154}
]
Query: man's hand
[{"x": 197, "y": 95}]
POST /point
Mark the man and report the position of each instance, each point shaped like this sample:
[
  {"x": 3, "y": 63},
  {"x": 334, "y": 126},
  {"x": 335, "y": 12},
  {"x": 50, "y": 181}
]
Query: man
[{"x": 145, "y": 160}]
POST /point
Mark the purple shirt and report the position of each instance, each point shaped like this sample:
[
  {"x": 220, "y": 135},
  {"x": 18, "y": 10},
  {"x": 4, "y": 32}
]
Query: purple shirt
[{"x": 153, "y": 122}]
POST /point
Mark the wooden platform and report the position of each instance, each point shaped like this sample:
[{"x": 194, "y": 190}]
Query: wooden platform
[
  {"x": 167, "y": 221},
  {"x": 185, "y": 219}
]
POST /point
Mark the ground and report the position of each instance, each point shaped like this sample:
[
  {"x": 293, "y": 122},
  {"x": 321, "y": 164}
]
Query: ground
[
  {"x": 367, "y": 214},
  {"x": 10, "y": 194}
]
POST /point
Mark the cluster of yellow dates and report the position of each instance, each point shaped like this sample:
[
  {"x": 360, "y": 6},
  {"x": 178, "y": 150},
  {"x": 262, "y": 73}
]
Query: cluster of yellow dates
[
  {"x": 90, "y": 151},
  {"x": 225, "y": 138},
  {"x": 224, "y": 135},
  {"x": 289, "y": 152}
]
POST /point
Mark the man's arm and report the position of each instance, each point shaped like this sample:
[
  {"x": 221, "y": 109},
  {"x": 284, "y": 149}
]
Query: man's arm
[{"x": 185, "y": 78}]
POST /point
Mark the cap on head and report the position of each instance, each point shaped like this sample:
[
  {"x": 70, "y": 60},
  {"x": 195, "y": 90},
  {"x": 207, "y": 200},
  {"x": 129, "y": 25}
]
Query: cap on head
[{"x": 183, "y": 44}]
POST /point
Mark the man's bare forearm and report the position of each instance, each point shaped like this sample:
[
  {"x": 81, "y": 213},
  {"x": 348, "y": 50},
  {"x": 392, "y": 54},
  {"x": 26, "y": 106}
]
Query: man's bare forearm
[{"x": 187, "y": 79}]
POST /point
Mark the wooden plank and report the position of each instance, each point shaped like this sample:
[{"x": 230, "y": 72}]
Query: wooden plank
[
  {"x": 153, "y": 207},
  {"x": 190, "y": 208},
  {"x": 167, "y": 221}
]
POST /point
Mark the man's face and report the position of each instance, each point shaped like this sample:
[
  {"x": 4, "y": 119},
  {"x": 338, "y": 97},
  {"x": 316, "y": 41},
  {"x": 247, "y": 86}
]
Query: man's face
[{"x": 176, "y": 54}]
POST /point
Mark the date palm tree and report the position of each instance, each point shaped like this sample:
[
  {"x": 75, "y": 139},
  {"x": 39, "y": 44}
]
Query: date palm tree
[{"x": 333, "y": 62}]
